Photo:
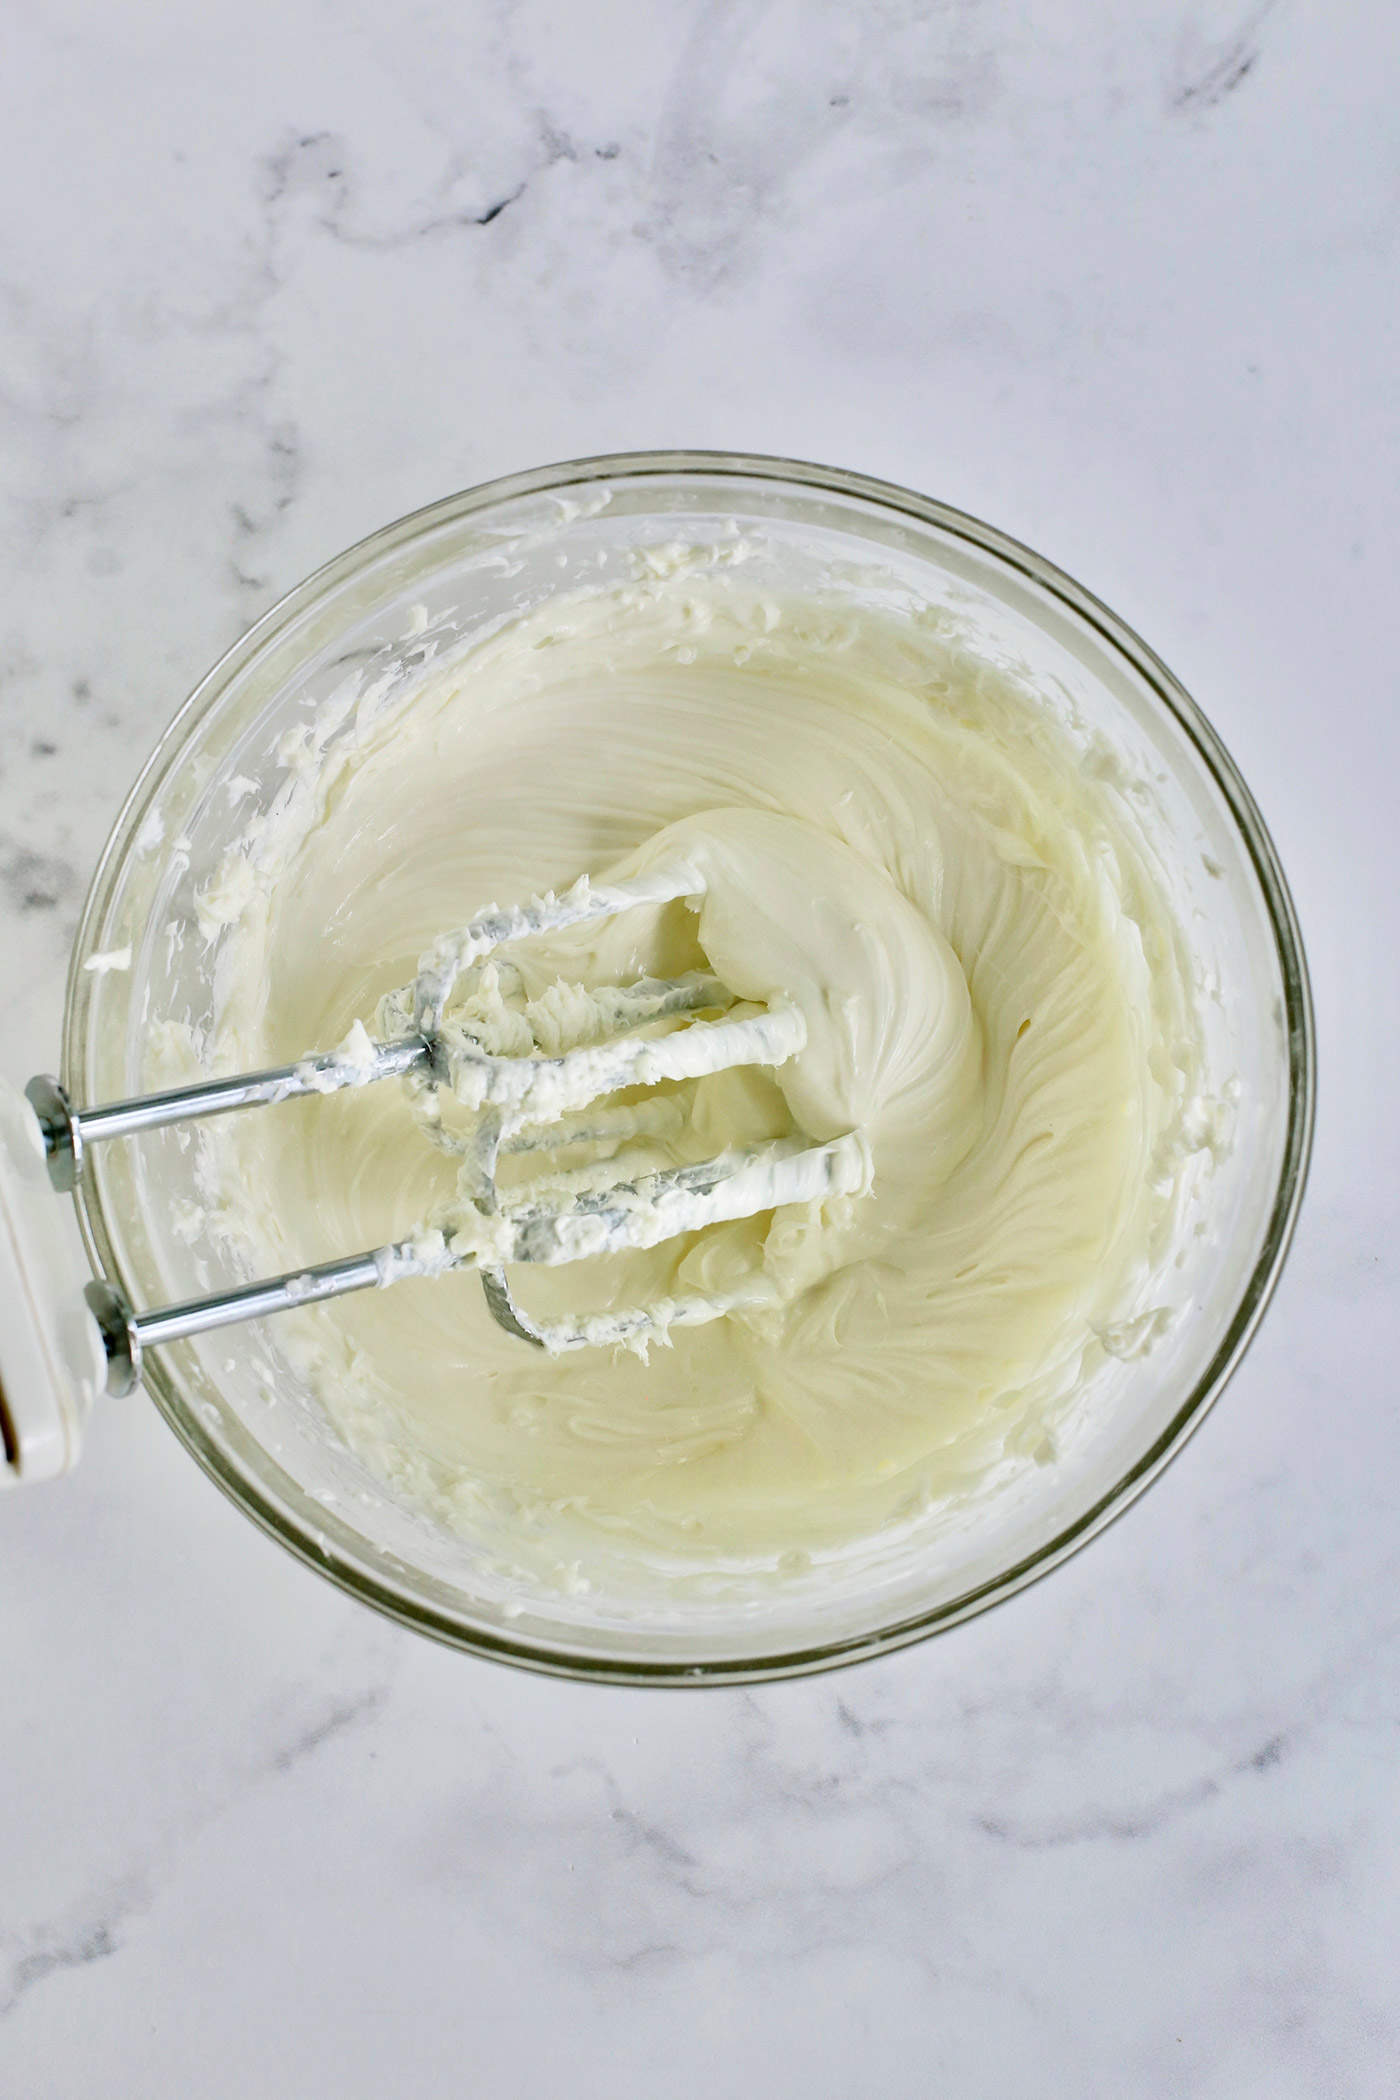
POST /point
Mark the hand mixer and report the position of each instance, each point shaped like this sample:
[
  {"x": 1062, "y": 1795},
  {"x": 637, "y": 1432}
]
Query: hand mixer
[{"x": 59, "y": 1346}]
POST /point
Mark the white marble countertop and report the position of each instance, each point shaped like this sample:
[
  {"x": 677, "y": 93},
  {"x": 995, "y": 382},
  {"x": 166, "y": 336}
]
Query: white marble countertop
[{"x": 1123, "y": 281}]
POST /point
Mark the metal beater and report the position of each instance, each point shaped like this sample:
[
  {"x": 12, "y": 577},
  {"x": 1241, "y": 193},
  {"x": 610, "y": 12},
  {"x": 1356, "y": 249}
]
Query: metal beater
[{"x": 518, "y": 1103}]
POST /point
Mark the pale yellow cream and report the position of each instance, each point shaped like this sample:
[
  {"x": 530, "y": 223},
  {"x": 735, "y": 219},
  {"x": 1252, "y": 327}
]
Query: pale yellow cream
[{"x": 894, "y": 836}]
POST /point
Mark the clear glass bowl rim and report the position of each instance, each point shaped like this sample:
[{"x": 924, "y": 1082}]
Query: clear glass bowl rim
[{"x": 255, "y": 1498}]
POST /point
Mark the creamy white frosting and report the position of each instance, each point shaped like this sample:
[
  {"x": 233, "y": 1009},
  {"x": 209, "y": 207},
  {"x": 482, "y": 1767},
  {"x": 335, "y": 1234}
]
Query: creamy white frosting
[{"x": 850, "y": 819}]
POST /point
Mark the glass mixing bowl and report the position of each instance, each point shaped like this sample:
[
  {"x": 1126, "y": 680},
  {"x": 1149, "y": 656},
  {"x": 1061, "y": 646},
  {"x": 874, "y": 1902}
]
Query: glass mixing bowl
[{"x": 471, "y": 560}]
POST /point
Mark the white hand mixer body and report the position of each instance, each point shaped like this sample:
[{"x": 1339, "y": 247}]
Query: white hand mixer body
[{"x": 61, "y": 1345}]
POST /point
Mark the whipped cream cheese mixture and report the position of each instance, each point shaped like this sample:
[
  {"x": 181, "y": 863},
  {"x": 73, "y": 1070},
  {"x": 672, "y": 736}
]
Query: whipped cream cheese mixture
[{"x": 892, "y": 836}]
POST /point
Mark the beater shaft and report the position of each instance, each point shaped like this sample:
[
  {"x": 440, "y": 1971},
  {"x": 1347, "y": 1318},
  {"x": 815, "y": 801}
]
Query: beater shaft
[
  {"x": 126, "y": 1334},
  {"x": 68, "y": 1131}
]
